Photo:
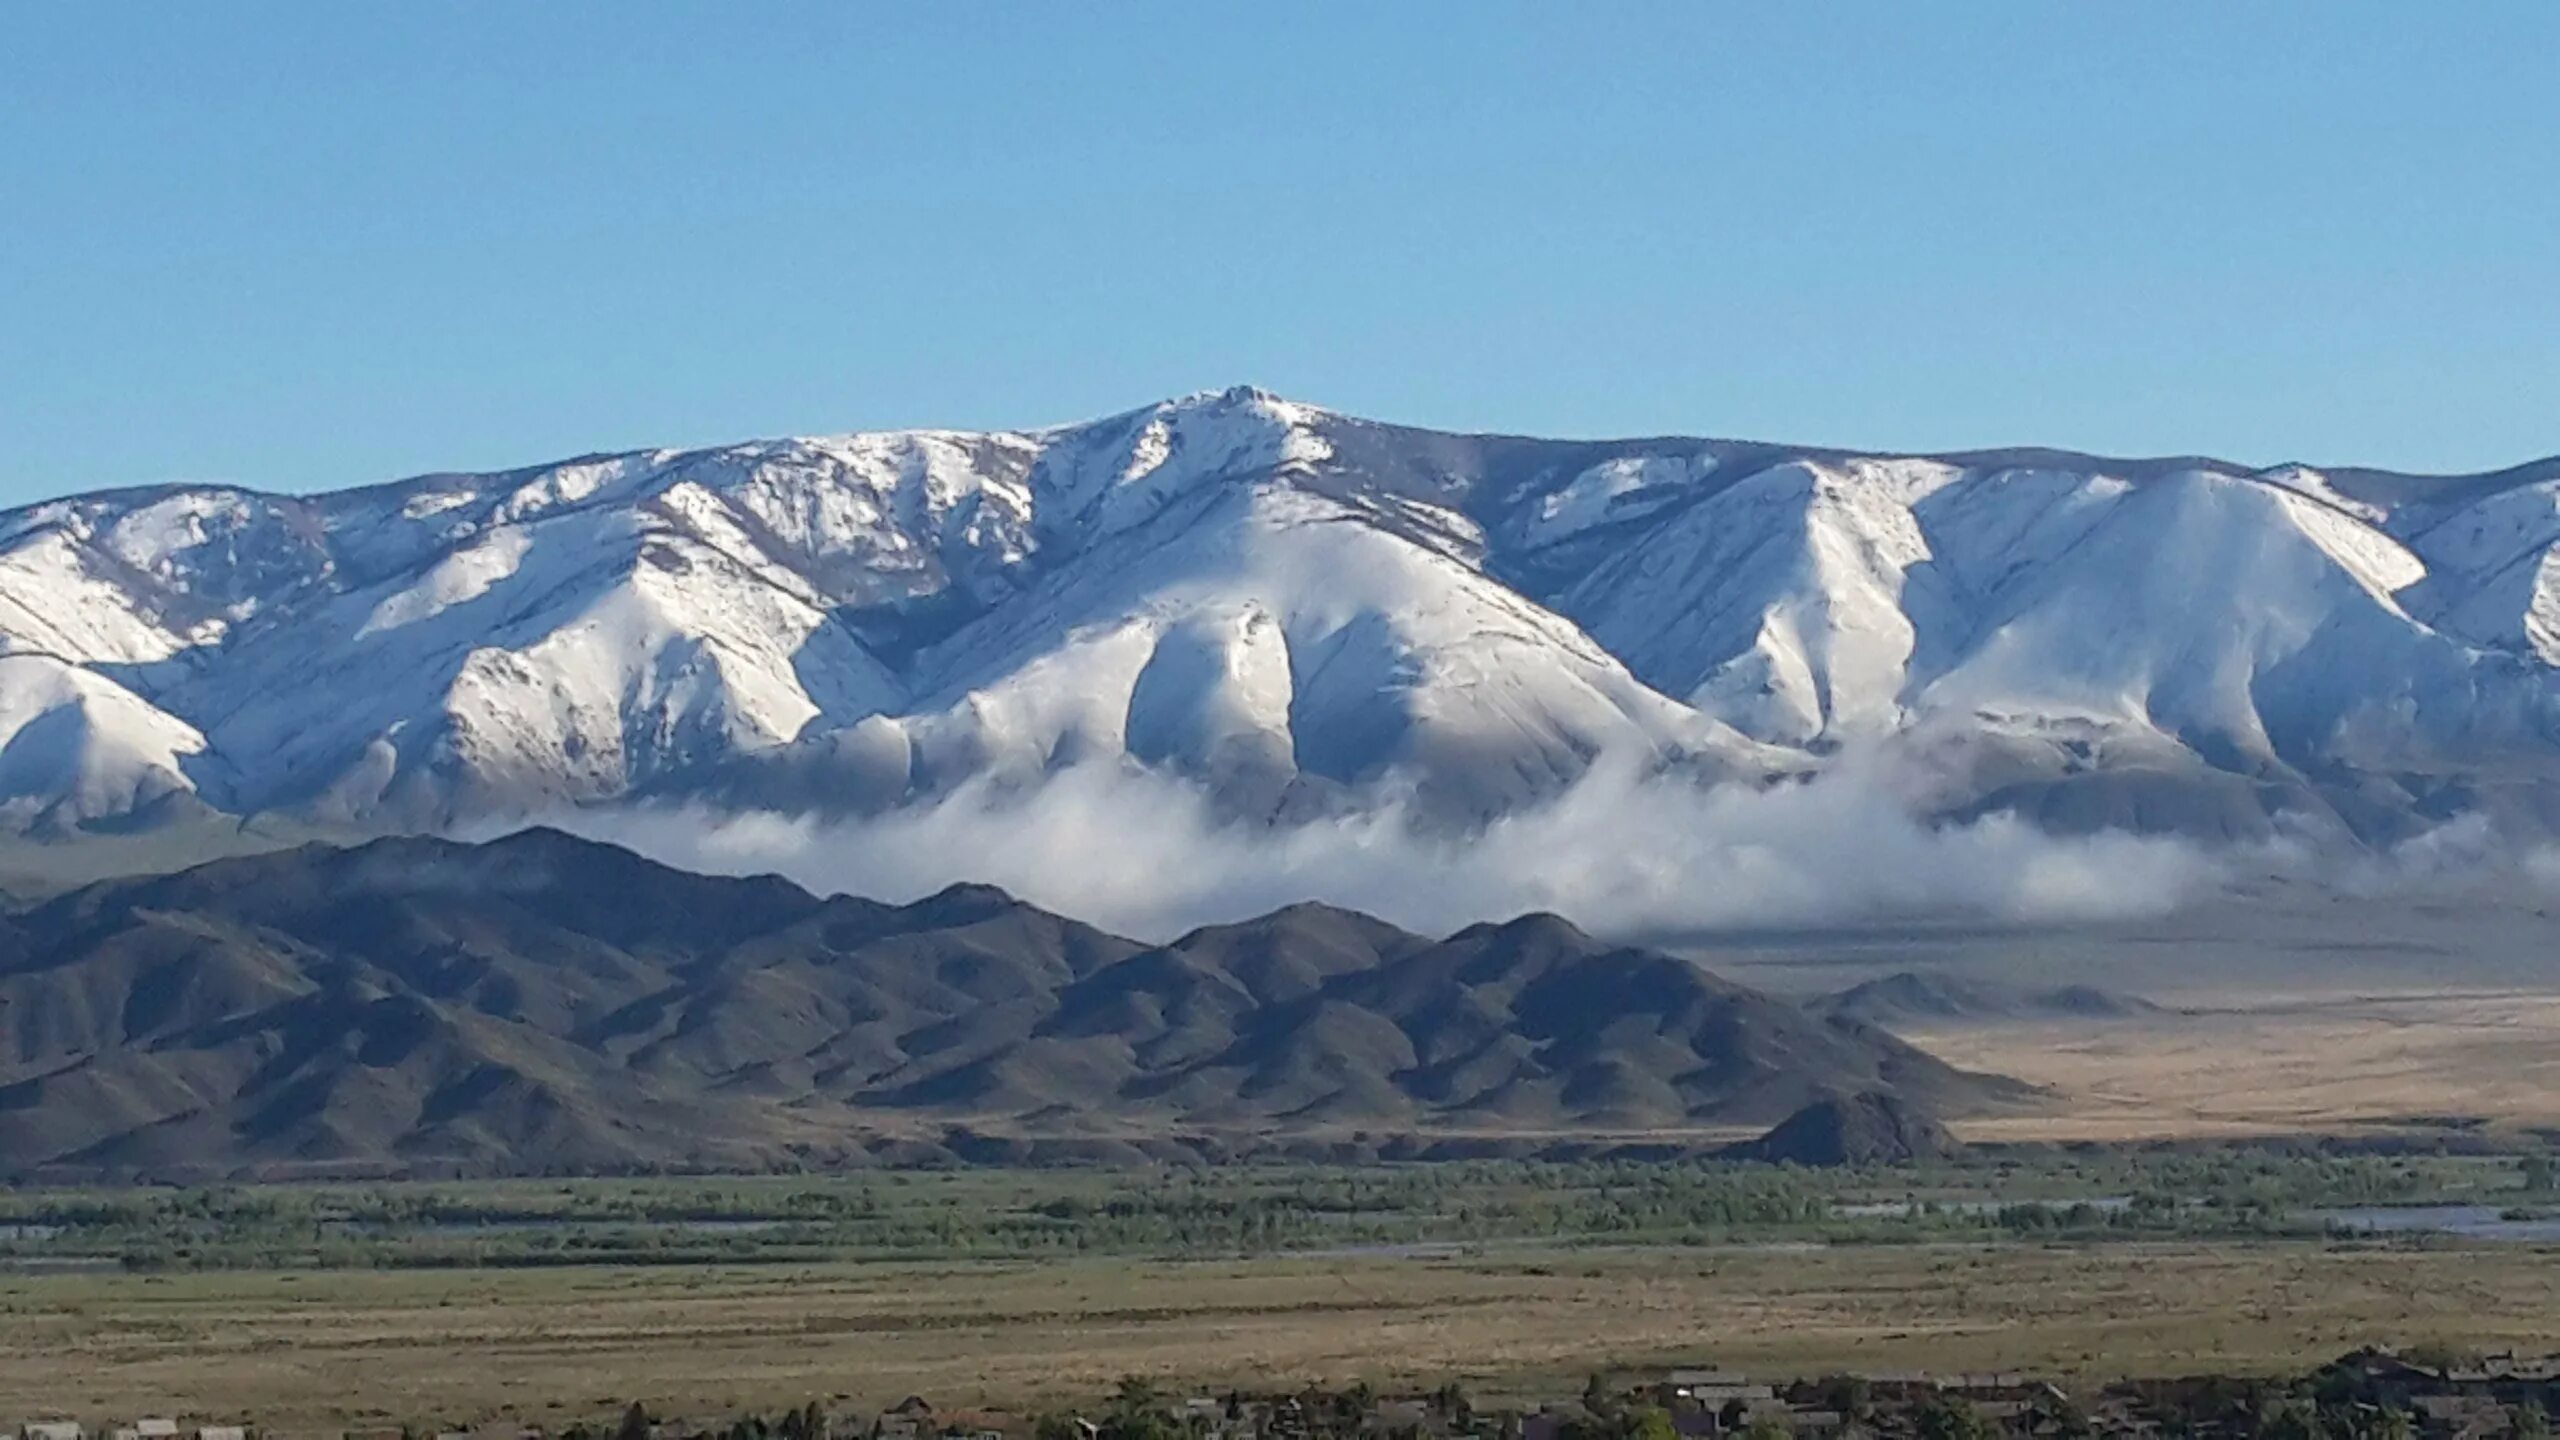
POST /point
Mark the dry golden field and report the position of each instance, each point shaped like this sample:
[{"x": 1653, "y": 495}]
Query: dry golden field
[
  {"x": 2314, "y": 1065},
  {"x": 315, "y": 1352}
]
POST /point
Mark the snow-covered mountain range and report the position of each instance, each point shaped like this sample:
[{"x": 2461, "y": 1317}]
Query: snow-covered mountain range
[{"x": 1300, "y": 609}]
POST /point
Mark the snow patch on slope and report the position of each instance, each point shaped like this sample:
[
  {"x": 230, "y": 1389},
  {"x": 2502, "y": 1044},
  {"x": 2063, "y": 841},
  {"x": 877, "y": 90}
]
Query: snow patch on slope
[
  {"x": 2305, "y": 481},
  {"x": 466, "y": 574},
  {"x": 60, "y": 597},
  {"x": 2495, "y": 570},
  {"x": 76, "y": 747},
  {"x": 1776, "y": 602},
  {"x": 1121, "y": 473},
  {"x": 1623, "y": 488}
]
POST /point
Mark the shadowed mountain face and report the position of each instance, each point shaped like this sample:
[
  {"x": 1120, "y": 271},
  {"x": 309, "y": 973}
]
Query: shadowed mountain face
[
  {"x": 1862, "y": 1129},
  {"x": 543, "y": 1003}
]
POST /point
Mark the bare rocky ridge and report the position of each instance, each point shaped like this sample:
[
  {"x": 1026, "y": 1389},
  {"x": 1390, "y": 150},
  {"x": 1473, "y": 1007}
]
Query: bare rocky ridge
[
  {"x": 1865, "y": 1128},
  {"x": 543, "y": 1003}
]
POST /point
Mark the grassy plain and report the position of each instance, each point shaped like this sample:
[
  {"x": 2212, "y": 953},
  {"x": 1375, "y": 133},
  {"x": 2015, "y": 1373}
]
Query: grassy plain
[
  {"x": 1514, "y": 1280},
  {"x": 307, "y": 1352},
  {"x": 2329, "y": 1064}
]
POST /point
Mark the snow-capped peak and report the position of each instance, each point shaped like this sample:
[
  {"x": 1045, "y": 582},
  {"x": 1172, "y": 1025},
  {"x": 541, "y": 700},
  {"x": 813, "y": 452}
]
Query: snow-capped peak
[{"x": 1293, "y": 606}]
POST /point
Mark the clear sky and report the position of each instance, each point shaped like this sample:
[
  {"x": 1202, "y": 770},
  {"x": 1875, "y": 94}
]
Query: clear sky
[{"x": 316, "y": 245}]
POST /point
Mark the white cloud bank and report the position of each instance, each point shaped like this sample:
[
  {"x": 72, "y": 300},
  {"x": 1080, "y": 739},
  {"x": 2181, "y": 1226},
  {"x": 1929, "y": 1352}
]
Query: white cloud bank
[{"x": 1148, "y": 857}]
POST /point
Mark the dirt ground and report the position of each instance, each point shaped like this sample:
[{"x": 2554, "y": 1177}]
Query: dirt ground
[
  {"x": 315, "y": 1353},
  {"x": 2291, "y": 1008},
  {"x": 2330, "y": 1064}
]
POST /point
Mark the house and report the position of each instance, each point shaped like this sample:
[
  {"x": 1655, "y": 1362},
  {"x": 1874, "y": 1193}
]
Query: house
[
  {"x": 1906, "y": 1384},
  {"x": 1399, "y": 1417},
  {"x": 2375, "y": 1365},
  {"x": 53, "y": 1430},
  {"x": 1993, "y": 1382},
  {"x": 1283, "y": 1419},
  {"x": 963, "y": 1424},
  {"x": 2505, "y": 1370},
  {"x": 1552, "y": 1419},
  {"x": 2460, "y": 1417},
  {"x": 1708, "y": 1389},
  {"x": 1777, "y": 1412},
  {"x": 907, "y": 1420},
  {"x": 1227, "y": 1419},
  {"x": 222, "y": 1432}
]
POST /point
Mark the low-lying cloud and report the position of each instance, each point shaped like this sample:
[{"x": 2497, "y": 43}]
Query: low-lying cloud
[{"x": 1618, "y": 853}]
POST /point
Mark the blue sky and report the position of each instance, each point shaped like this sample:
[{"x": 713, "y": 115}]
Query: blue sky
[{"x": 316, "y": 245}]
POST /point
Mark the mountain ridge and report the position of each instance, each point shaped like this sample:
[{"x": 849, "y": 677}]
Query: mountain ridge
[
  {"x": 542, "y": 1002},
  {"x": 1301, "y": 612}
]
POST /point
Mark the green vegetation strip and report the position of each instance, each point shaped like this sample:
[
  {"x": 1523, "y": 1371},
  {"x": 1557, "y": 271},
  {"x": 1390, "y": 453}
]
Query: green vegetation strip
[{"x": 1229, "y": 1211}]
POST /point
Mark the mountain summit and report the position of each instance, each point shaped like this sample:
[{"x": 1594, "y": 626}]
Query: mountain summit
[{"x": 1297, "y": 609}]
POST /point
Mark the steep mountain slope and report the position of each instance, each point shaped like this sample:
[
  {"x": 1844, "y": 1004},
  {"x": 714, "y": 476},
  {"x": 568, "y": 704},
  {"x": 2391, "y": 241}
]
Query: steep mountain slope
[
  {"x": 547, "y": 1003},
  {"x": 76, "y": 748},
  {"x": 1301, "y": 610}
]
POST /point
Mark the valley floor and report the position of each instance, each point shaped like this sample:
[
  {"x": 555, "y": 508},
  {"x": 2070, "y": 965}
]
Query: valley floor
[
  {"x": 312, "y": 1353},
  {"x": 2335, "y": 1064},
  {"x": 2290, "y": 1009}
]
